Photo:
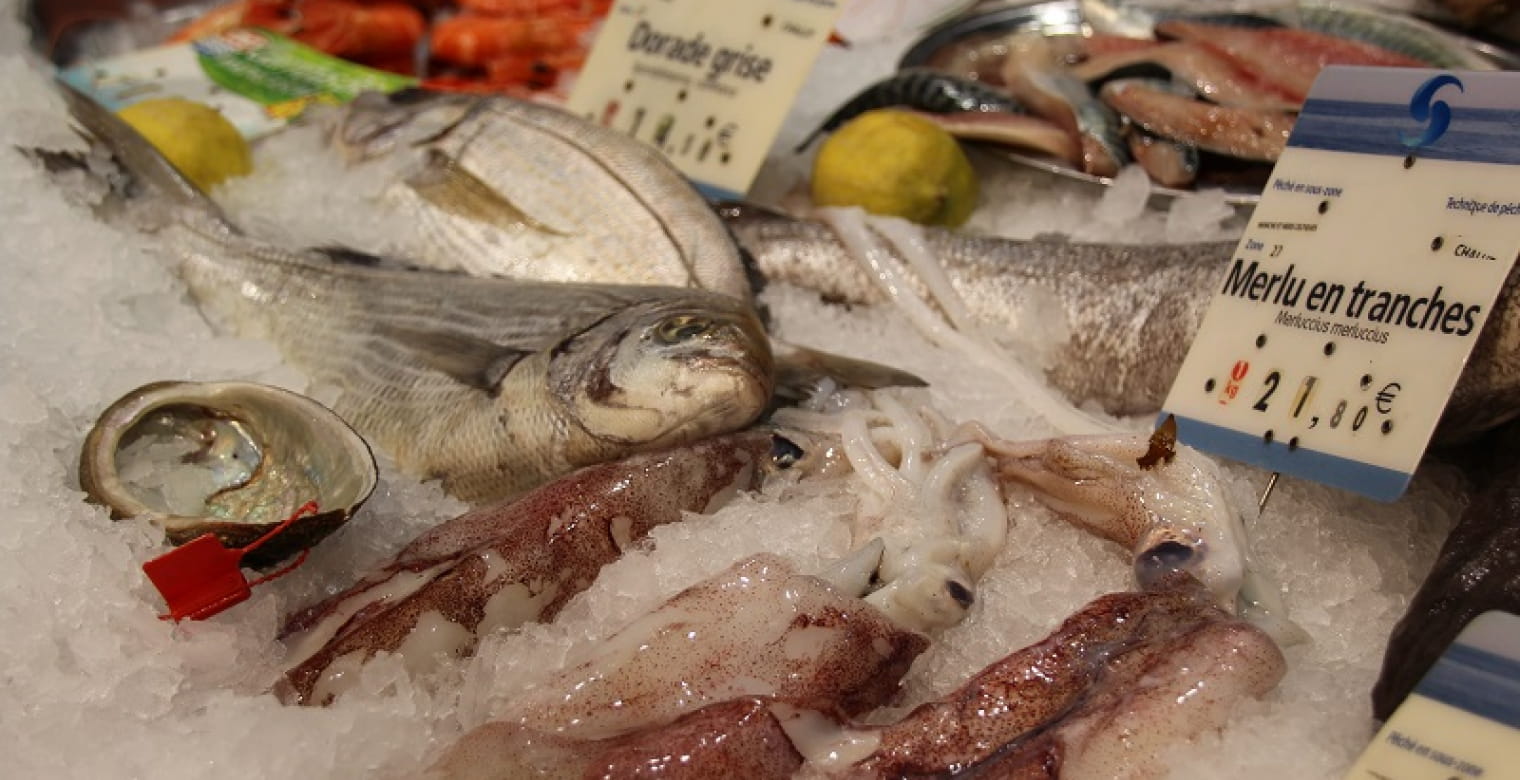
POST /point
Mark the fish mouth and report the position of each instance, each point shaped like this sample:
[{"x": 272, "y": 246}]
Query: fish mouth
[
  {"x": 753, "y": 383},
  {"x": 739, "y": 354}
]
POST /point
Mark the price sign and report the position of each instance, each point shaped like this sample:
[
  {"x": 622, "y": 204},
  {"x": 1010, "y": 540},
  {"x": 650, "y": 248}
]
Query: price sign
[
  {"x": 1463, "y": 719},
  {"x": 708, "y": 84},
  {"x": 1361, "y": 284}
]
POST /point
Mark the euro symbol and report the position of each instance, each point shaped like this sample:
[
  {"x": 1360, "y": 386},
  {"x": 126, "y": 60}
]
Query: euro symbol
[
  {"x": 1385, "y": 397},
  {"x": 726, "y": 134},
  {"x": 1425, "y": 108}
]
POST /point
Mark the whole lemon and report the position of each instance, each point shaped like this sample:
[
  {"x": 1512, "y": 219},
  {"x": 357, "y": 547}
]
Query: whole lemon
[
  {"x": 898, "y": 164},
  {"x": 200, "y": 142}
]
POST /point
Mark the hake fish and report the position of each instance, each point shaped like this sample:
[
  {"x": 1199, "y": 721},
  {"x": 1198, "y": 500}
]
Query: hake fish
[
  {"x": 1115, "y": 320},
  {"x": 505, "y": 187},
  {"x": 491, "y": 385}
]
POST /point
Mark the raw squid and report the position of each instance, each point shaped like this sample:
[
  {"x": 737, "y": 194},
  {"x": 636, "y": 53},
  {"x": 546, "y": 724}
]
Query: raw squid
[
  {"x": 731, "y": 739},
  {"x": 936, "y": 510},
  {"x": 1163, "y": 503},
  {"x": 1104, "y": 696},
  {"x": 513, "y": 562},
  {"x": 689, "y": 674},
  {"x": 757, "y": 629}
]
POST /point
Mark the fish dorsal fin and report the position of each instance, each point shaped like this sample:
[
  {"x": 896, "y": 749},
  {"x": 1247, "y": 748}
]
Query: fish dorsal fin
[
  {"x": 470, "y": 360},
  {"x": 444, "y": 183}
]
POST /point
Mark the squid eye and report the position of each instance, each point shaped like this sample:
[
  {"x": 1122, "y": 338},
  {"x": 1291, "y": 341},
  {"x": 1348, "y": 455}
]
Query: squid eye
[
  {"x": 962, "y": 594},
  {"x": 784, "y": 452},
  {"x": 682, "y": 328},
  {"x": 1163, "y": 559}
]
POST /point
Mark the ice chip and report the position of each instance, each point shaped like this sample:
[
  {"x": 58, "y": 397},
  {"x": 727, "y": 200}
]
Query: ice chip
[
  {"x": 1196, "y": 216},
  {"x": 1126, "y": 199}
]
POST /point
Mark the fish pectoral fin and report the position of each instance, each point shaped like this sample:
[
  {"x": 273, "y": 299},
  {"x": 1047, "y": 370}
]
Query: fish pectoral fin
[
  {"x": 446, "y": 184},
  {"x": 469, "y": 360},
  {"x": 799, "y": 370}
]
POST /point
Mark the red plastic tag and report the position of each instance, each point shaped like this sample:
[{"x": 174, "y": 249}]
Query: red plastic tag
[{"x": 200, "y": 578}]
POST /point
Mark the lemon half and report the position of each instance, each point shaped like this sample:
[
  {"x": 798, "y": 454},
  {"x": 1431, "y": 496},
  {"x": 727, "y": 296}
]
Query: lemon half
[
  {"x": 200, "y": 142},
  {"x": 897, "y": 164}
]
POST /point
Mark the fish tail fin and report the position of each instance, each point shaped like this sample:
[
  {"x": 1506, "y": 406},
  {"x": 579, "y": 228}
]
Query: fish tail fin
[{"x": 150, "y": 172}]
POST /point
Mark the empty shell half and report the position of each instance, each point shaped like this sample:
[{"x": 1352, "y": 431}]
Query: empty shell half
[{"x": 231, "y": 458}]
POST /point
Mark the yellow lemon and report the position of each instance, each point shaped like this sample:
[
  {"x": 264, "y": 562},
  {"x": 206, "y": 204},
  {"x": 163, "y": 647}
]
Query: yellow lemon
[
  {"x": 898, "y": 164},
  {"x": 200, "y": 142}
]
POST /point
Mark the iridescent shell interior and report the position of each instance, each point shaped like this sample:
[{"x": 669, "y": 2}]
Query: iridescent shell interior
[{"x": 230, "y": 458}]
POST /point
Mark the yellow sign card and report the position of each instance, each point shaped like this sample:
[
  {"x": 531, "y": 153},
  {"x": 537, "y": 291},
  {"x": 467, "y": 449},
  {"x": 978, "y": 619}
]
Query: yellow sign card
[{"x": 706, "y": 83}]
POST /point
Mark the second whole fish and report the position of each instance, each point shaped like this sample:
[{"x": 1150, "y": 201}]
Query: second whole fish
[
  {"x": 1111, "y": 322},
  {"x": 492, "y": 386}
]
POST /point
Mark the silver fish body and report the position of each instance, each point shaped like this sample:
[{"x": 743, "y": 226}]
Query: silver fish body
[
  {"x": 512, "y": 188},
  {"x": 491, "y": 385},
  {"x": 1114, "y": 320},
  {"x": 516, "y": 189}
]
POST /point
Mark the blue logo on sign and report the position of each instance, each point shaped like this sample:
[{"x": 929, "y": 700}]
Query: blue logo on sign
[{"x": 1425, "y": 108}]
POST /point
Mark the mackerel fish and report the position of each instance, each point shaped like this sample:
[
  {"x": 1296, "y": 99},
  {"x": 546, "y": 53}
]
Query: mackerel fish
[
  {"x": 492, "y": 386},
  {"x": 1112, "y": 322}
]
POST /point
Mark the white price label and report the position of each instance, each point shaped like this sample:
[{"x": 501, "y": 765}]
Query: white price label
[
  {"x": 1463, "y": 720},
  {"x": 1349, "y": 309},
  {"x": 708, "y": 84}
]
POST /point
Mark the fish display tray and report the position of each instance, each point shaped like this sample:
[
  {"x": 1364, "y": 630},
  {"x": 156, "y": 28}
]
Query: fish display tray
[{"x": 1065, "y": 17}]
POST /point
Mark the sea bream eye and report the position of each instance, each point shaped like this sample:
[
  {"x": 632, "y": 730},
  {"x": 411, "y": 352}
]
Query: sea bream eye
[{"x": 683, "y": 328}]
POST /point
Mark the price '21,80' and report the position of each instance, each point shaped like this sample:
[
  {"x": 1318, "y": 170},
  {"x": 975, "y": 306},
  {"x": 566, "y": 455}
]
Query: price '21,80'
[{"x": 1351, "y": 413}]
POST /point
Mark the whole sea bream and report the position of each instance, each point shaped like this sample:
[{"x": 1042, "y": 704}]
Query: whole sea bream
[
  {"x": 495, "y": 186},
  {"x": 1108, "y": 323},
  {"x": 491, "y": 385},
  {"x": 505, "y": 187}
]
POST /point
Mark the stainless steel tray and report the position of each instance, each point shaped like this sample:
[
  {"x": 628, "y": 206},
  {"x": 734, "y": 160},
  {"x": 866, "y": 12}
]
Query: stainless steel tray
[{"x": 1065, "y": 17}]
